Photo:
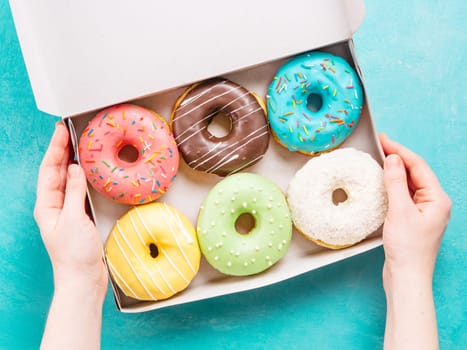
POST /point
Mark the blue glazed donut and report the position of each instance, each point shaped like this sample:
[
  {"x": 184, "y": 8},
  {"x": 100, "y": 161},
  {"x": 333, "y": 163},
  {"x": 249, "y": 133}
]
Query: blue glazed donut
[{"x": 314, "y": 103}]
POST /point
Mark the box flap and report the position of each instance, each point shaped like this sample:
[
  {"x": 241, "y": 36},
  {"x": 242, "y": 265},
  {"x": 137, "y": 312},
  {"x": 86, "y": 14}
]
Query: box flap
[{"x": 83, "y": 55}]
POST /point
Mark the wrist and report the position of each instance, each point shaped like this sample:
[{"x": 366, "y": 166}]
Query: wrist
[
  {"x": 78, "y": 285},
  {"x": 80, "y": 292},
  {"x": 75, "y": 315},
  {"x": 410, "y": 317},
  {"x": 406, "y": 278}
]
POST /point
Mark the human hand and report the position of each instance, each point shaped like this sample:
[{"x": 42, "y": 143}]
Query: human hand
[
  {"x": 418, "y": 214},
  {"x": 70, "y": 237}
]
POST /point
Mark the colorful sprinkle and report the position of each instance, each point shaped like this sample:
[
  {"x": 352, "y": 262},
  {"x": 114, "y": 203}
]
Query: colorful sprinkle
[
  {"x": 278, "y": 83},
  {"x": 306, "y": 117},
  {"x": 151, "y": 157}
]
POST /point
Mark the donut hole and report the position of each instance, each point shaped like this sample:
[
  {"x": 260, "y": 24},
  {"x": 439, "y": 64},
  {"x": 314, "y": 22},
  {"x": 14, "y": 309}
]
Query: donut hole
[
  {"x": 339, "y": 196},
  {"x": 153, "y": 250},
  {"x": 245, "y": 223},
  {"x": 220, "y": 125},
  {"x": 128, "y": 153},
  {"x": 314, "y": 102}
]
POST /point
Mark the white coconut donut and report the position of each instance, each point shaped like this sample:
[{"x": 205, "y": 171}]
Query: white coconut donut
[{"x": 329, "y": 221}]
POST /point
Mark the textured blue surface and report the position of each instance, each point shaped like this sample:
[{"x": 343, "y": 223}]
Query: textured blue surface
[{"x": 413, "y": 54}]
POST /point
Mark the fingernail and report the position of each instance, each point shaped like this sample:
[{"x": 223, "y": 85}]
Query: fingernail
[
  {"x": 393, "y": 161},
  {"x": 74, "y": 170}
]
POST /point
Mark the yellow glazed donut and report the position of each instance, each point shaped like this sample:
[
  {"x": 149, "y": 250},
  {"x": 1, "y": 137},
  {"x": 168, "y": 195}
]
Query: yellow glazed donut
[{"x": 152, "y": 252}]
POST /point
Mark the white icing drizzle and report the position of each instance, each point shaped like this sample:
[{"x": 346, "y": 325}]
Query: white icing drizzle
[
  {"x": 174, "y": 235},
  {"x": 140, "y": 237},
  {"x": 119, "y": 229},
  {"x": 207, "y": 101},
  {"x": 211, "y": 150},
  {"x": 235, "y": 121},
  {"x": 179, "y": 222},
  {"x": 114, "y": 272},
  {"x": 214, "y": 113},
  {"x": 249, "y": 113},
  {"x": 226, "y": 148},
  {"x": 227, "y": 161},
  {"x": 161, "y": 249},
  {"x": 127, "y": 259},
  {"x": 246, "y": 164},
  {"x": 222, "y": 162},
  {"x": 195, "y": 97}
]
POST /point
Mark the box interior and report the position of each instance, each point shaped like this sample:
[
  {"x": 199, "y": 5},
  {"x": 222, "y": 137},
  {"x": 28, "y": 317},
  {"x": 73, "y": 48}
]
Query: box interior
[{"x": 191, "y": 187}]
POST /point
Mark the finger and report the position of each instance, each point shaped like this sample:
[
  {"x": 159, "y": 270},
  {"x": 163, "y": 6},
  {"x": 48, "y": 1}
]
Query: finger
[
  {"x": 64, "y": 167},
  {"x": 395, "y": 180},
  {"x": 75, "y": 191},
  {"x": 421, "y": 177},
  {"x": 50, "y": 190},
  {"x": 412, "y": 187}
]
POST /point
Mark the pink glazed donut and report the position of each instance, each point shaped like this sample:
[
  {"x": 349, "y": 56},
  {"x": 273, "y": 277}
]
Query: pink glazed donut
[{"x": 129, "y": 154}]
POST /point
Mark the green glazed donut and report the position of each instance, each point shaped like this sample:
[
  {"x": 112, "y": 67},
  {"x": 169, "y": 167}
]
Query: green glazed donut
[{"x": 231, "y": 252}]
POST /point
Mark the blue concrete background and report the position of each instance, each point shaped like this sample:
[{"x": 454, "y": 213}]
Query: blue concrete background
[{"x": 413, "y": 54}]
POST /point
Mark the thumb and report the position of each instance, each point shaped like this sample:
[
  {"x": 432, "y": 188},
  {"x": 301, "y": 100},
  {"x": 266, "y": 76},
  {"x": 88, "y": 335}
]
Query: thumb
[
  {"x": 75, "y": 190},
  {"x": 395, "y": 180}
]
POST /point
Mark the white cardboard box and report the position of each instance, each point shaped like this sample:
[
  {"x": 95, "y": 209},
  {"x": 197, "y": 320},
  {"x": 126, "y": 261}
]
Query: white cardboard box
[{"x": 82, "y": 56}]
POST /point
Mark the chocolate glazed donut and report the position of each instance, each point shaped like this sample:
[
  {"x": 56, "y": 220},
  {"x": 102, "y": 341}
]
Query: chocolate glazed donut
[{"x": 243, "y": 146}]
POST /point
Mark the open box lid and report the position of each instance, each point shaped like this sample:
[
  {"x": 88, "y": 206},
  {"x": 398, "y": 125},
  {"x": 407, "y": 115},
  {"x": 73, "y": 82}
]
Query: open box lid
[{"x": 83, "y": 55}]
